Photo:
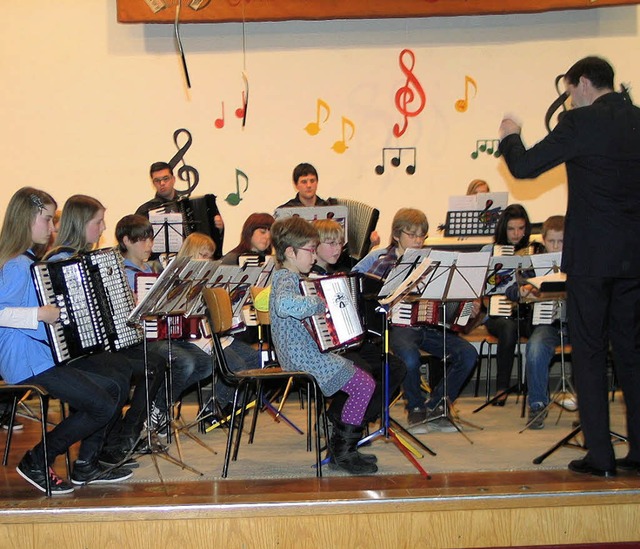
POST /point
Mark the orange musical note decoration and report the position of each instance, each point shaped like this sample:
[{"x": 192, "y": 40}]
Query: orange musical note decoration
[
  {"x": 395, "y": 159},
  {"x": 463, "y": 104},
  {"x": 219, "y": 123},
  {"x": 312, "y": 128},
  {"x": 233, "y": 199},
  {"x": 341, "y": 145},
  {"x": 406, "y": 95}
]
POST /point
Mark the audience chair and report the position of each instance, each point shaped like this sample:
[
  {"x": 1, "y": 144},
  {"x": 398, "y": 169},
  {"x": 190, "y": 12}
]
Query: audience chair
[
  {"x": 16, "y": 393},
  {"x": 220, "y": 317}
]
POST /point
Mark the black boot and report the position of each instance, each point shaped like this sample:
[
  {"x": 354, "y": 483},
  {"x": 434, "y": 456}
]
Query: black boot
[{"x": 344, "y": 452}]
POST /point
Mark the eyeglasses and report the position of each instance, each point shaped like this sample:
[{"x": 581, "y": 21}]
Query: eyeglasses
[
  {"x": 414, "y": 235},
  {"x": 165, "y": 179},
  {"x": 333, "y": 244},
  {"x": 310, "y": 250}
]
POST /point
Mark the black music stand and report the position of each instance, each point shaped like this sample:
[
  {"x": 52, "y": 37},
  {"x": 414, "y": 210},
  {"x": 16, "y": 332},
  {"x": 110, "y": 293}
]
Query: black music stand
[
  {"x": 517, "y": 386},
  {"x": 168, "y": 297},
  {"x": 566, "y": 441},
  {"x": 449, "y": 283},
  {"x": 390, "y": 429}
]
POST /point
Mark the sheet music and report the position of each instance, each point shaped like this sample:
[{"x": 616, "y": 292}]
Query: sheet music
[
  {"x": 403, "y": 268},
  {"x": 408, "y": 283},
  {"x": 502, "y": 272},
  {"x": 238, "y": 281},
  {"x": 468, "y": 276},
  {"x": 168, "y": 231},
  {"x": 544, "y": 264},
  {"x": 437, "y": 283}
]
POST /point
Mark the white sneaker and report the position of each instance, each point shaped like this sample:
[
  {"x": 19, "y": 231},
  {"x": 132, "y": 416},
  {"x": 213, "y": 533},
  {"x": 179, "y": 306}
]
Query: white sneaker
[{"x": 568, "y": 402}]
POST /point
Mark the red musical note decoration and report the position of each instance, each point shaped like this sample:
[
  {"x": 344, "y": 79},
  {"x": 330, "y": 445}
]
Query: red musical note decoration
[
  {"x": 219, "y": 123},
  {"x": 405, "y": 96}
]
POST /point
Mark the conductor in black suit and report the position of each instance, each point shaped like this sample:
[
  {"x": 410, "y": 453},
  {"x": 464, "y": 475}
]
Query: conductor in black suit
[{"x": 599, "y": 142}]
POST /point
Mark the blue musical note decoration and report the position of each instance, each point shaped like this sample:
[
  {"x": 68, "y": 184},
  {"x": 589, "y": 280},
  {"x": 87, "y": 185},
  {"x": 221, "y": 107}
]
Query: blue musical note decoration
[{"x": 186, "y": 173}]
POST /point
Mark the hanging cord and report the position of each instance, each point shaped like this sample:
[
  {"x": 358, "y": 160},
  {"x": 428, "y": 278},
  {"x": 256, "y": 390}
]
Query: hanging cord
[{"x": 176, "y": 27}]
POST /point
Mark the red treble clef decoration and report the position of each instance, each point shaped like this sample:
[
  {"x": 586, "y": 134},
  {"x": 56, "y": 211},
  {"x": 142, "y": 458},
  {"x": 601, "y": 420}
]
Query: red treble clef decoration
[{"x": 406, "y": 95}]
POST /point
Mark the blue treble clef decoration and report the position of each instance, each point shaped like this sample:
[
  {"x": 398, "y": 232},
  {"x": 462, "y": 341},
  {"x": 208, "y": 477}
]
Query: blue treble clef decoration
[{"x": 186, "y": 173}]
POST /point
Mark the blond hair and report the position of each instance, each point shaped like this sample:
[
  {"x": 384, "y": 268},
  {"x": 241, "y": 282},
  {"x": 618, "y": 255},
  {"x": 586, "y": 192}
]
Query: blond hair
[
  {"x": 329, "y": 229},
  {"x": 196, "y": 243},
  {"x": 405, "y": 219}
]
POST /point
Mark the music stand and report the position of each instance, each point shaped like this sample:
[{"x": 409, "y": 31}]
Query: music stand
[
  {"x": 414, "y": 269},
  {"x": 390, "y": 429},
  {"x": 457, "y": 277},
  {"x": 516, "y": 387},
  {"x": 169, "y": 296}
]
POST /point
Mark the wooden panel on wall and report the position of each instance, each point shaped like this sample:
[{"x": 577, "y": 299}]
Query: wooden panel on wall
[{"x": 220, "y": 11}]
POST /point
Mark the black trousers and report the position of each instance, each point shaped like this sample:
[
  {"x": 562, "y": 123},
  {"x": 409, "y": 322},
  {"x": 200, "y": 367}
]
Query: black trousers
[{"x": 603, "y": 312}]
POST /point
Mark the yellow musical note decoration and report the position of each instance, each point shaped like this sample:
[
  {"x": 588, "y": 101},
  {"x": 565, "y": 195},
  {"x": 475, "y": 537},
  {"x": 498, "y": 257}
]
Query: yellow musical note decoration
[
  {"x": 312, "y": 128},
  {"x": 463, "y": 104},
  {"x": 341, "y": 145}
]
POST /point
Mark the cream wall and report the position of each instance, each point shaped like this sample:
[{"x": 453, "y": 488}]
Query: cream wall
[{"x": 88, "y": 104}]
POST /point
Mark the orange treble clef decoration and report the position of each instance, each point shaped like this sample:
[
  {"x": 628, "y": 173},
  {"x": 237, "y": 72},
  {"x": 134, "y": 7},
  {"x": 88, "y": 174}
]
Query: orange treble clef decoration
[{"x": 406, "y": 95}]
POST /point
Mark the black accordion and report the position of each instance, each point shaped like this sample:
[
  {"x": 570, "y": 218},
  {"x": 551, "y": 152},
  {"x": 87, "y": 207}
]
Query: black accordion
[
  {"x": 197, "y": 217},
  {"x": 95, "y": 301}
]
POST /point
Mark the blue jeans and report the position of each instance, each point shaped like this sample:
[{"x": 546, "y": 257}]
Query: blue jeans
[
  {"x": 406, "y": 344},
  {"x": 539, "y": 352},
  {"x": 190, "y": 364},
  {"x": 94, "y": 399}
]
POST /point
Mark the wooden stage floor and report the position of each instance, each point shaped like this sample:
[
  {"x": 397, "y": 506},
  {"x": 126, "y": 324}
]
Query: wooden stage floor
[{"x": 465, "y": 509}]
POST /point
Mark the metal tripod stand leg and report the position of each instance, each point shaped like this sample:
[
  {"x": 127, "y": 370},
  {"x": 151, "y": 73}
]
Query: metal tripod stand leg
[{"x": 566, "y": 441}]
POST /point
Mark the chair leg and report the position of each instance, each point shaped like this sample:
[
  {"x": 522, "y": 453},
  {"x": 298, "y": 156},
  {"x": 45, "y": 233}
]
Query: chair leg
[
  {"x": 44, "y": 411},
  {"x": 231, "y": 431},
  {"x": 254, "y": 416},
  {"x": 12, "y": 415},
  {"x": 245, "y": 402}
]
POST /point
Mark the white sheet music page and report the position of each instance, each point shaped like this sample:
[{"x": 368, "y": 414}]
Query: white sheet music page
[
  {"x": 468, "y": 276},
  {"x": 403, "y": 268},
  {"x": 437, "y": 283}
]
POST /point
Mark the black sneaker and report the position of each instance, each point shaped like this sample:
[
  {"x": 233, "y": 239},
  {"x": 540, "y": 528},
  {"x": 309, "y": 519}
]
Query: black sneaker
[
  {"x": 95, "y": 473},
  {"x": 34, "y": 474},
  {"x": 115, "y": 457},
  {"x": 537, "y": 415}
]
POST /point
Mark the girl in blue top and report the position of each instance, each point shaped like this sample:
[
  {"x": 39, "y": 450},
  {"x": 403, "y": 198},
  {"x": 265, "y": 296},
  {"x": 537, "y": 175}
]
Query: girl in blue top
[{"x": 25, "y": 355}]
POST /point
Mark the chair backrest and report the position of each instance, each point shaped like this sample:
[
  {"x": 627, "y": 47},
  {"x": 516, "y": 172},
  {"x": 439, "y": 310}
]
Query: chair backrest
[
  {"x": 219, "y": 307},
  {"x": 362, "y": 222}
]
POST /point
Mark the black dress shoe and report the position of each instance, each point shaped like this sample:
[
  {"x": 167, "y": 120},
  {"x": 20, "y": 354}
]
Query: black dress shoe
[
  {"x": 626, "y": 464},
  {"x": 582, "y": 467}
]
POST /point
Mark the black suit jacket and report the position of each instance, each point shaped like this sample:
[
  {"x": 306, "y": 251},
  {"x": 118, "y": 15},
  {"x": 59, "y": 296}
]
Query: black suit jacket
[{"x": 600, "y": 145}]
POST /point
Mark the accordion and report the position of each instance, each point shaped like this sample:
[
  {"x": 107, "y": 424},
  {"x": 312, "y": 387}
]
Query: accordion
[
  {"x": 197, "y": 217},
  {"x": 95, "y": 301},
  {"x": 340, "y": 325},
  {"x": 428, "y": 312},
  {"x": 362, "y": 222}
]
